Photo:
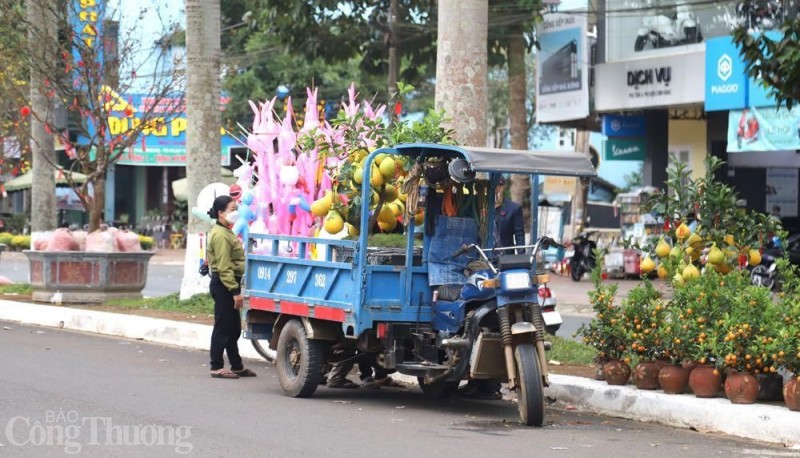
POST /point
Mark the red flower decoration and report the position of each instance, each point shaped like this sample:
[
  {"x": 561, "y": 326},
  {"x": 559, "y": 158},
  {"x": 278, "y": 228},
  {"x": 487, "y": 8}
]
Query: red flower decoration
[
  {"x": 128, "y": 111},
  {"x": 25, "y": 111}
]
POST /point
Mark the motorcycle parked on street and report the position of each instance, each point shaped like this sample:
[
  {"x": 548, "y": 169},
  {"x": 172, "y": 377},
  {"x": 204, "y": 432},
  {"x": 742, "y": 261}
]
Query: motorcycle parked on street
[
  {"x": 665, "y": 30},
  {"x": 766, "y": 273},
  {"x": 583, "y": 260}
]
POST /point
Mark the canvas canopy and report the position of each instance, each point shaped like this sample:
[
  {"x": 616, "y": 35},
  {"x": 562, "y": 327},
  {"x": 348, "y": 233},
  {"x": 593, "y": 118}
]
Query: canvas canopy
[
  {"x": 554, "y": 163},
  {"x": 25, "y": 181}
]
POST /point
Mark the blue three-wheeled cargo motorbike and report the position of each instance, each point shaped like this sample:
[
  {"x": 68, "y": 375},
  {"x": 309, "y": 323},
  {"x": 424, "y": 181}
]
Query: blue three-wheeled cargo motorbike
[{"x": 448, "y": 307}]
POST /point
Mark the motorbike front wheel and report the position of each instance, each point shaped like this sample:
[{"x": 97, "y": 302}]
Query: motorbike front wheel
[
  {"x": 641, "y": 41},
  {"x": 530, "y": 395},
  {"x": 760, "y": 276},
  {"x": 576, "y": 272}
]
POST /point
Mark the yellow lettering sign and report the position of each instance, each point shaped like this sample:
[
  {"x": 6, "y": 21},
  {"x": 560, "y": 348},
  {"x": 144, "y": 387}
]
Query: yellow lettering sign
[
  {"x": 88, "y": 4},
  {"x": 89, "y": 41},
  {"x": 88, "y": 16},
  {"x": 88, "y": 29},
  {"x": 178, "y": 126}
]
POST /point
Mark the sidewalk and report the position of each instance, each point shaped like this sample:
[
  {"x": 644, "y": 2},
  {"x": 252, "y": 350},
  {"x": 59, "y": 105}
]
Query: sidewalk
[{"x": 766, "y": 423}]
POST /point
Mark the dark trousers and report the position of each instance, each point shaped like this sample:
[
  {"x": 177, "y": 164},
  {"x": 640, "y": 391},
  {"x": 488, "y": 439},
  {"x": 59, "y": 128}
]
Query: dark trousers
[{"x": 227, "y": 328}]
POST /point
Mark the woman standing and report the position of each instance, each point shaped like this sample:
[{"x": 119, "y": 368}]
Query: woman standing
[{"x": 226, "y": 264}]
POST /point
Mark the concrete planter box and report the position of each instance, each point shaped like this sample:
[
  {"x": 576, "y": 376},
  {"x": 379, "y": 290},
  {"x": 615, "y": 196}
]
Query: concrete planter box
[{"x": 84, "y": 277}]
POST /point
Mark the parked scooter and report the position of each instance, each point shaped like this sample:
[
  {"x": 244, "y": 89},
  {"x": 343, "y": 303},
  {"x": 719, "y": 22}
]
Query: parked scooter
[
  {"x": 665, "y": 30},
  {"x": 766, "y": 273},
  {"x": 583, "y": 259}
]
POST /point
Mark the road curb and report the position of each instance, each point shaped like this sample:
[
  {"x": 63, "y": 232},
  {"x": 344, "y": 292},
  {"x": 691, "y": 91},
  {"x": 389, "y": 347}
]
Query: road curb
[
  {"x": 766, "y": 423},
  {"x": 760, "y": 422},
  {"x": 167, "y": 332}
]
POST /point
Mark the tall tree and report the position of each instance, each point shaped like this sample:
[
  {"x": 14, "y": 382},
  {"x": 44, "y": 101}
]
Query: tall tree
[
  {"x": 43, "y": 40},
  {"x": 203, "y": 120},
  {"x": 80, "y": 62},
  {"x": 328, "y": 43},
  {"x": 461, "y": 66},
  {"x": 775, "y": 61}
]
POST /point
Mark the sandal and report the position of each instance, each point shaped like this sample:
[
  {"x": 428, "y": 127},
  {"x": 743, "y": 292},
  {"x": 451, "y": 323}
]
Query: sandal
[
  {"x": 346, "y": 384},
  {"x": 223, "y": 373},
  {"x": 244, "y": 373}
]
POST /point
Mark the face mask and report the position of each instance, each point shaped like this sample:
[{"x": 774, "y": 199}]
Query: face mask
[{"x": 232, "y": 217}]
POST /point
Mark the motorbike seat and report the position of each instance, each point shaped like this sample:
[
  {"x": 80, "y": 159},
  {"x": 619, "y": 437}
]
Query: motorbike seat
[{"x": 514, "y": 261}]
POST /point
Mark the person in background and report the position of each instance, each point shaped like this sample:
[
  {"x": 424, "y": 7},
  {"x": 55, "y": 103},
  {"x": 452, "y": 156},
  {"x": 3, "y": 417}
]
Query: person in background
[
  {"x": 226, "y": 265},
  {"x": 508, "y": 218}
]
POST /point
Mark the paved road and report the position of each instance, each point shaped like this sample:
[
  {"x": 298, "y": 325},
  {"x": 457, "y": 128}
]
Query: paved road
[
  {"x": 98, "y": 392},
  {"x": 161, "y": 279}
]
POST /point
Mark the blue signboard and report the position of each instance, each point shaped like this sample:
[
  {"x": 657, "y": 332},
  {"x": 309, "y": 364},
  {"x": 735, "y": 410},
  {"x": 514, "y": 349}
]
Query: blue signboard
[
  {"x": 727, "y": 85},
  {"x": 726, "y": 79},
  {"x": 163, "y": 141},
  {"x": 624, "y": 126}
]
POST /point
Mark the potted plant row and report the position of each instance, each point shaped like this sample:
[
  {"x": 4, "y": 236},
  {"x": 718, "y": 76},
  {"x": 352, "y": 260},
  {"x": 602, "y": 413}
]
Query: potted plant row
[{"x": 705, "y": 326}]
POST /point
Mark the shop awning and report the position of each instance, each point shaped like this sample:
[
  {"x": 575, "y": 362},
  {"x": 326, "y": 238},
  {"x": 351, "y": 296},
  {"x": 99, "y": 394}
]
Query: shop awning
[
  {"x": 179, "y": 186},
  {"x": 25, "y": 181}
]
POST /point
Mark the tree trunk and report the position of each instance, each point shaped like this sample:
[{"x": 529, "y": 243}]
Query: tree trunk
[
  {"x": 203, "y": 124},
  {"x": 579, "y": 201},
  {"x": 461, "y": 60},
  {"x": 43, "y": 192},
  {"x": 518, "y": 117},
  {"x": 394, "y": 61},
  {"x": 98, "y": 203}
]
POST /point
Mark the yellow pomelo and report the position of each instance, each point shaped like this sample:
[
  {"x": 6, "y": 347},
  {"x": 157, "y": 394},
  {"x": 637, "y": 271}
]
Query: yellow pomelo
[
  {"x": 376, "y": 178},
  {"x": 390, "y": 193},
  {"x": 662, "y": 249},
  {"x": 647, "y": 265},
  {"x": 387, "y": 214},
  {"x": 691, "y": 272},
  {"x": 387, "y": 226},
  {"x": 678, "y": 280},
  {"x": 358, "y": 175},
  {"x": 320, "y": 208},
  {"x": 715, "y": 255},
  {"x": 755, "y": 257},
  {"x": 662, "y": 272},
  {"x": 683, "y": 231},
  {"x": 419, "y": 218},
  {"x": 333, "y": 223},
  {"x": 387, "y": 168}
]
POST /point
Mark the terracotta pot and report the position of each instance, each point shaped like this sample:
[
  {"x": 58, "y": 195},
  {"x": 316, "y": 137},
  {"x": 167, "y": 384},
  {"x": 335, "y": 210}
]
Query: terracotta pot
[
  {"x": 598, "y": 370},
  {"x": 661, "y": 363},
  {"x": 741, "y": 387},
  {"x": 705, "y": 380},
  {"x": 645, "y": 375},
  {"x": 616, "y": 372},
  {"x": 770, "y": 387},
  {"x": 690, "y": 365},
  {"x": 791, "y": 394},
  {"x": 674, "y": 379}
]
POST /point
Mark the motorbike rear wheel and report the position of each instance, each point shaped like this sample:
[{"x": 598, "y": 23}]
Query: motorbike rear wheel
[
  {"x": 530, "y": 395},
  {"x": 265, "y": 352}
]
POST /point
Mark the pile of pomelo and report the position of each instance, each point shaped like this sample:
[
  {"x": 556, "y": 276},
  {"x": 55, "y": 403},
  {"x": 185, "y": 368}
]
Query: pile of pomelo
[{"x": 688, "y": 249}]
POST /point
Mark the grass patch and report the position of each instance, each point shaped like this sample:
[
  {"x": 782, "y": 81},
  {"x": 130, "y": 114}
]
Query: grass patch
[
  {"x": 22, "y": 289},
  {"x": 570, "y": 352},
  {"x": 200, "y": 304}
]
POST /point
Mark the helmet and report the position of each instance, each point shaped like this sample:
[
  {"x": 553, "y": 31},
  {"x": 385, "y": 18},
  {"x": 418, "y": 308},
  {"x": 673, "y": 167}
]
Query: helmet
[
  {"x": 435, "y": 171},
  {"x": 473, "y": 288},
  {"x": 460, "y": 171}
]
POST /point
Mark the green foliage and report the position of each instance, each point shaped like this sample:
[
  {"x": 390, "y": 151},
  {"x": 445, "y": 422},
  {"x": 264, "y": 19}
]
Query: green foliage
[
  {"x": 775, "y": 62},
  {"x": 644, "y": 313},
  {"x": 607, "y": 332},
  {"x": 146, "y": 242},
  {"x": 23, "y": 289},
  {"x": 568, "y": 351},
  {"x": 200, "y": 304}
]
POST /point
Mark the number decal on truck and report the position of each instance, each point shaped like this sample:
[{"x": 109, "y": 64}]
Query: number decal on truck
[
  {"x": 291, "y": 277},
  {"x": 320, "y": 280},
  {"x": 264, "y": 273}
]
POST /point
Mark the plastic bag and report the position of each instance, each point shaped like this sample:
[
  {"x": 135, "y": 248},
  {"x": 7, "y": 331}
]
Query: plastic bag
[
  {"x": 128, "y": 241},
  {"x": 62, "y": 240},
  {"x": 102, "y": 241}
]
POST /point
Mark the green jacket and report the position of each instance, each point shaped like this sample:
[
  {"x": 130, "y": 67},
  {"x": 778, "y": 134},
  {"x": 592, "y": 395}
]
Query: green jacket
[{"x": 225, "y": 257}]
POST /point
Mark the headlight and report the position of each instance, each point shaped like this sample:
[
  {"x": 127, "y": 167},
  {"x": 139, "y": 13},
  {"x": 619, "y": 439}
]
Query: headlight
[{"x": 517, "y": 280}]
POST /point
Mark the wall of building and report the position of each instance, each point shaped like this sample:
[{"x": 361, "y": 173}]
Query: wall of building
[{"x": 688, "y": 139}]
